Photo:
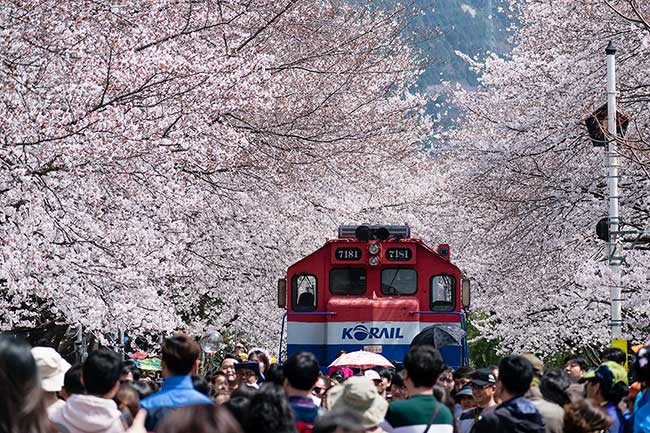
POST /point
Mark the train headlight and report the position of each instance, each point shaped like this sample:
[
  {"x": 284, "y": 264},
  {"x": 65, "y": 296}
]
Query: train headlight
[
  {"x": 373, "y": 261},
  {"x": 373, "y": 249}
]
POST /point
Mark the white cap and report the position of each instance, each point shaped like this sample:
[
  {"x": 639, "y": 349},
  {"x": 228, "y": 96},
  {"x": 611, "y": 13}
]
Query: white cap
[
  {"x": 372, "y": 374},
  {"x": 51, "y": 368}
]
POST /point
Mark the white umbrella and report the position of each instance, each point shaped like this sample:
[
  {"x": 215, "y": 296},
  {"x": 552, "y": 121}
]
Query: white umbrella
[{"x": 361, "y": 359}]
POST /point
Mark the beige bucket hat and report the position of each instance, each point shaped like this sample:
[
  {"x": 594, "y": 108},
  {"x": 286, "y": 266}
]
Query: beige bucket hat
[
  {"x": 51, "y": 368},
  {"x": 359, "y": 394}
]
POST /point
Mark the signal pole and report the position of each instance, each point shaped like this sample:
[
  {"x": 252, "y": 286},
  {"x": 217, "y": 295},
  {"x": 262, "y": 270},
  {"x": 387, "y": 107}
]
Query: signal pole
[{"x": 614, "y": 252}]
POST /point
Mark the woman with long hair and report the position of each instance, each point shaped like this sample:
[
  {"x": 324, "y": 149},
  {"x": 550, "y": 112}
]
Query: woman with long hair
[
  {"x": 269, "y": 411},
  {"x": 22, "y": 407}
]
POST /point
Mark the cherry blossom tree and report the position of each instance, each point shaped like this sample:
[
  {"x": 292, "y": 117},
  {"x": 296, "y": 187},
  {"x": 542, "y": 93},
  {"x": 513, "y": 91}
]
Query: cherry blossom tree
[
  {"x": 531, "y": 187},
  {"x": 163, "y": 162}
]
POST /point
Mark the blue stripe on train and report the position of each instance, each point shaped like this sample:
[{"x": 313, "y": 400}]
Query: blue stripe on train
[{"x": 394, "y": 353}]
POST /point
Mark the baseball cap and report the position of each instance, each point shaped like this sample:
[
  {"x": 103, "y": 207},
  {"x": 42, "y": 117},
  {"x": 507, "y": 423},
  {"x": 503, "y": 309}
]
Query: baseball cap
[
  {"x": 483, "y": 377},
  {"x": 608, "y": 371},
  {"x": 372, "y": 374},
  {"x": 466, "y": 390},
  {"x": 51, "y": 368}
]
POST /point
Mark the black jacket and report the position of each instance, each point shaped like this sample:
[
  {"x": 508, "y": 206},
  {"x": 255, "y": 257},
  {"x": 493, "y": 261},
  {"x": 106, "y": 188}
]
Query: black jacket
[{"x": 517, "y": 415}]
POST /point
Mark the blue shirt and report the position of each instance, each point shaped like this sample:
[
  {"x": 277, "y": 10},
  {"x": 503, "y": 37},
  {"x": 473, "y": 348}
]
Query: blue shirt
[{"x": 176, "y": 391}]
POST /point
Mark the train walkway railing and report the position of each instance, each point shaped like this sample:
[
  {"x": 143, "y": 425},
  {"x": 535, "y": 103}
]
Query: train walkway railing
[{"x": 298, "y": 313}]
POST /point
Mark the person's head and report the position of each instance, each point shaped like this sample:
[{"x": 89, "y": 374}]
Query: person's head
[
  {"x": 607, "y": 383},
  {"x": 130, "y": 373},
  {"x": 101, "y": 373},
  {"x": 238, "y": 406},
  {"x": 446, "y": 380},
  {"x": 359, "y": 394},
  {"x": 274, "y": 374},
  {"x": 483, "y": 384},
  {"x": 642, "y": 363},
  {"x": 554, "y": 386},
  {"x": 398, "y": 389},
  {"x": 575, "y": 366},
  {"x": 72, "y": 382},
  {"x": 300, "y": 372},
  {"x": 220, "y": 381},
  {"x": 515, "y": 375},
  {"x": 261, "y": 357},
  {"x": 321, "y": 386},
  {"x": 180, "y": 356},
  {"x": 228, "y": 368},
  {"x": 376, "y": 379},
  {"x": 248, "y": 372},
  {"x": 22, "y": 407},
  {"x": 465, "y": 398},
  {"x": 201, "y": 384},
  {"x": 199, "y": 419},
  {"x": 339, "y": 421},
  {"x": 613, "y": 354},
  {"x": 461, "y": 377},
  {"x": 51, "y": 368},
  {"x": 127, "y": 399},
  {"x": 270, "y": 411},
  {"x": 443, "y": 396},
  {"x": 422, "y": 366},
  {"x": 144, "y": 388},
  {"x": 585, "y": 416},
  {"x": 386, "y": 375}
]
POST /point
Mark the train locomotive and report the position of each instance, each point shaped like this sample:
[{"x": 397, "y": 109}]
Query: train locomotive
[{"x": 374, "y": 288}]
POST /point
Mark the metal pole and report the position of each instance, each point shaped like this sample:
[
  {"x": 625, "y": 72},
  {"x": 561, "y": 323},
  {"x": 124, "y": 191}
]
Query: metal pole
[{"x": 613, "y": 250}]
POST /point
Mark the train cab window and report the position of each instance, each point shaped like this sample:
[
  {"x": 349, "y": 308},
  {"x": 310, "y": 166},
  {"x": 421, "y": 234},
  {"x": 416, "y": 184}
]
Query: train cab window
[
  {"x": 399, "y": 281},
  {"x": 303, "y": 292},
  {"x": 443, "y": 293},
  {"x": 348, "y": 281}
]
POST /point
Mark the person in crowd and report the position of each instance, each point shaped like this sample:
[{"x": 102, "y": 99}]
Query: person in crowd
[
  {"x": 483, "y": 387},
  {"x": 376, "y": 379},
  {"x": 130, "y": 373},
  {"x": 320, "y": 388},
  {"x": 607, "y": 385},
  {"x": 51, "y": 368},
  {"x": 269, "y": 411},
  {"x": 339, "y": 421},
  {"x": 359, "y": 394},
  {"x": 200, "y": 419},
  {"x": 144, "y": 388},
  {"x": 386, "y": 376},
  {"x": 95, "y": 412},
  {"x": 465, "y": 399},
  {"x": 301, "y": 370},
  {"x": 552, "y": 414},
  {"x": 398, "y": 390},
  {"x": 639, "y": 421},
  {"x": 446, "y": 380},
  {"x": 515, "y": 414},
  {"x": 275, "y": 374},
  {"x": 248, "y": 374},
  {"x": 462, "y": 377},
  {"x": 22, "y": 404},
  {"x": 422, "y": 366},
  {"x": 613, "y": 354},
  {"x": 219, "y": 381},
  {"x": 228, "y": 368},
  {"x": 575, "y": 366},
  {"x": 180, "y": 359},
  {"x": 554, "y": 386},
  {"x": 72, "y": 382},
  {"x": 262, "y": 357},
  {"x": 128, "y": 402},
  {"x": 239, "y": 351},
  {"x": 201, "y": 384},
  {"x": 585, "y": 416},
  {"x": 445, "y": 398}
]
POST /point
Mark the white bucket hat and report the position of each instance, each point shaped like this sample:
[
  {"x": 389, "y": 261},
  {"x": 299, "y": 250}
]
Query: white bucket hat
[
  {"x": 359, "y": 394},
  {"x": 51, "y": 368}
]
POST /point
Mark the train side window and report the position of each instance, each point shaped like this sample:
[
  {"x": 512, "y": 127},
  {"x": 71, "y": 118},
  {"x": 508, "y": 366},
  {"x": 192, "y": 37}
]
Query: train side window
[
  {"x": 399, "y": 281},
  {"x": 348, "y": 281},
  {"x": 443, "y": 293},
  {"x": 303, "y": 292}
]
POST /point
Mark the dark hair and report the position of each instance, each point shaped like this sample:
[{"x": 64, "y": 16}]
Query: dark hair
[
  {"x": 202, "y": 418},
  {"x": 384, "y": 373},
  {"x": 101, "y": 371},
  {"x": 201, "y": 384},
  {"x": 144, "y": 388},
  {"x": 127, "y": 399},
  {"x": 179, "y": 353},
  {"x": 516, "y": 373},
  {"x": 642, "y": 363},
  {"x": 72, "y": 380},
  {"x": 445, "y": 398},
  {"x": 337, "y": 376},
  {"x": 22, "y": 407},
  {"x": 423, "y": 365},
  {"x": 129, "y": 367},
  {"x": 301, "y": 370},
  {"x": 615, "y": 393},
  {"x": 342, "y": 421},
  {"x": 230, "y": 356},
  {"x": 269, "y": 410},
  {"x": 260, "y": 356},
  {"x": 585, "y": 416},
  {"x": 397, "y": 379},
  {"x": 275, "y": 374},
  {"x": 463, "y": 373},
  {"x": 554, "y": 386},
  {"x": 244, "y": 391},
  {"x": 238, "y": 406},
  {"x": 582, "y": 362},
  {"x": 613, "y": 354}
]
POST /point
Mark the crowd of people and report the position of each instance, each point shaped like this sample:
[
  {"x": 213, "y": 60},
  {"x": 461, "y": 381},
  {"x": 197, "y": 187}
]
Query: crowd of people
[{"x": 42, "y": 393}]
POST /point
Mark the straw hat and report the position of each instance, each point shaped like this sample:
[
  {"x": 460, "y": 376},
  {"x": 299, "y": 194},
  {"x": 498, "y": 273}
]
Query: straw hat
[
  {"x": 51, "y": 367},
  {"x": 359, "y": 394}
]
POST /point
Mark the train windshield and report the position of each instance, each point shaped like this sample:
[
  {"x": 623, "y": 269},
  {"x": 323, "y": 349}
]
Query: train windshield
[
  {"x": 348, "y": 281},
  {"x": 443, "y": 293},
  {"x": 399, "y": 281}
]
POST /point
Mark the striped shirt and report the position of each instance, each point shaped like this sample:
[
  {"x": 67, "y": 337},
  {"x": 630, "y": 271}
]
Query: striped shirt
[{"x": 413, "y": 415}]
